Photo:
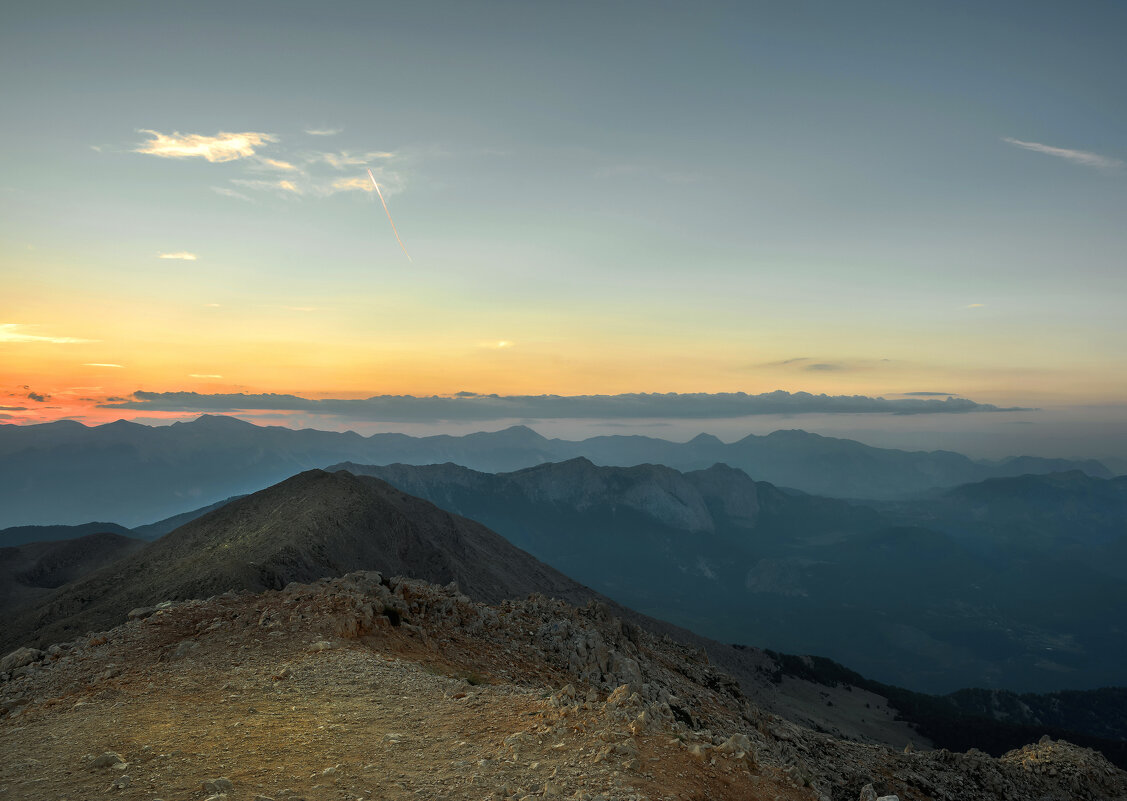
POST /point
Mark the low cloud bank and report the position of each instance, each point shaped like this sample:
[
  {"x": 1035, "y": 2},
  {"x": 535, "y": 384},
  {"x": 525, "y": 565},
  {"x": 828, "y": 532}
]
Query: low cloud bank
[{"x": 468, "y": 406}]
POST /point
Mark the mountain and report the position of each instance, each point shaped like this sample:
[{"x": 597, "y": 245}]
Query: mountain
[
  {"x": 31, "y": 571},
  {"x": 312, "y": 525},
  {"x": 741, "y": 561},
  {"x": 19, "y": 535},
  {"x": 374, "y": 686},
  {"x": 325, "y": 524},
  {"x": 320, "y": 524},
  {"x": 154, "y": 531},
  {"x": 1102, "y": 712},
  {"x": 1068, "y": 517},
  {"x": 66, "y": 472}
]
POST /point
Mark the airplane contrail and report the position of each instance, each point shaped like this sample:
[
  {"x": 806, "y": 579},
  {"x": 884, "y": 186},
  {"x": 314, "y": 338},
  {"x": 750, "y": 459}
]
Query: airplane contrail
[{"x": 388, "y": 213}]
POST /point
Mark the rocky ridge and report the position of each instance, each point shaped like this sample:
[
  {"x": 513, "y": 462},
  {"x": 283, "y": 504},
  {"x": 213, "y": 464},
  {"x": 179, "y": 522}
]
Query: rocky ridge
[{"x": 365, "y": 686}]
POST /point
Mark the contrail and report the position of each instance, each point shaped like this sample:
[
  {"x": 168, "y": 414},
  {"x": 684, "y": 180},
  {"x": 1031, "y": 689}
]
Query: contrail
[{"x": 388, "y": 213}]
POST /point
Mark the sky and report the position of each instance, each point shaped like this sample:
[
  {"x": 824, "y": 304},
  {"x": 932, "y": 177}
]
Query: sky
[{"x": 858, "y": 200}]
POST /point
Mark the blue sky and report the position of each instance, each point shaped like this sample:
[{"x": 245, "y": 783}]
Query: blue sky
[{"x": 633, "y": 197}]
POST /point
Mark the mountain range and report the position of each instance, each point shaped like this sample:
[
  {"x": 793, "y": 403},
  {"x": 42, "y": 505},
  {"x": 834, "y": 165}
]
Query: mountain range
[
  {"x": 906, "y": 596},
  {"x": 319, "y": 524},
  {"x": 68, "y": 473},
  {"x": 325, "y": 524}
]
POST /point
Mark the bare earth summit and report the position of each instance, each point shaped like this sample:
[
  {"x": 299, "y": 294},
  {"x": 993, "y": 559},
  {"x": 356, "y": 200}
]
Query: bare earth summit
[{"x": 364, "y": 687}]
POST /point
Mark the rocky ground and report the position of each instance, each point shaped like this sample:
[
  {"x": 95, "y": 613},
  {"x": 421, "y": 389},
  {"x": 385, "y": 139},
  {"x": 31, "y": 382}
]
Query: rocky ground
[{"x": 364, "y": 687}]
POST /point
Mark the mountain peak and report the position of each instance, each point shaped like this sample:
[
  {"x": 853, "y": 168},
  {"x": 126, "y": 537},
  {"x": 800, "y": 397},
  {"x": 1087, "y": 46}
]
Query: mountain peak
[
  {"x": 518, "y": 435},
  {"x": 219, "y": 422},
  {"x": 122, "y": 425}
]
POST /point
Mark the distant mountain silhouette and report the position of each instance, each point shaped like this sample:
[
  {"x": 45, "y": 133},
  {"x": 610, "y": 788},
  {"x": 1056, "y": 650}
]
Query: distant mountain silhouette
[
  {"x": 19, "y": 535},
  {"x": 742, "y": 561},
  {"x": 31, "y": 571},
  {"x": 1066, "y": 516},
  {"x": 65, "y": 472}
]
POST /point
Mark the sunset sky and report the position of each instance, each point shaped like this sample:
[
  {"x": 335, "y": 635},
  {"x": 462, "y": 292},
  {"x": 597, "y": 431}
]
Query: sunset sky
[{"x": 870, "y": 198}]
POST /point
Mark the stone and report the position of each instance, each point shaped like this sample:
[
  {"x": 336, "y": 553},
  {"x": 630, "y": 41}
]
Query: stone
[
  {"x": 107, "y": 760},
  {"x": 737, "y": 743},
  {"x": 868, "y": 793},
  {"x": 220, "y": 785},
  {"x": 21, "y": 657}
]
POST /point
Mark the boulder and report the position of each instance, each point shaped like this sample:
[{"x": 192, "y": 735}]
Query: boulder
[{"x": 21, "y": 657}]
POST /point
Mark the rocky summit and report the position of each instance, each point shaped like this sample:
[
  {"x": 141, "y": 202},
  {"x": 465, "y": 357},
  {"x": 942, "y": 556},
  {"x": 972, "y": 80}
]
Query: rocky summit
[{"x": 370, "y": 687}]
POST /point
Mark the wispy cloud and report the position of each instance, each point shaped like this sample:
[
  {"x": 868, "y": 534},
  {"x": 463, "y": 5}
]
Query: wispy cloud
[
  {"x": 322, "y": 131},
  {"x": 497, "y": 344},
  {"x": 221, "y": 147},
  {"x": 102, "y": 364},
  {"x": 203, "y": 375},
  {"x": 468, "y": 406},
  {"x": 11, "y": 332},
  {"x": 929, "y": 394},
  {"x": 351, "y": 185},
  {"x": 277, "y": 164},
  {"x": 222, "y": 190},
  {"x": 272, "y": 186},
  {"x": 1075, "y": 156},
  {"x": 182, "y": 255},
  {"x": 974, "y": 306},
  {"x": 344, "y": 159}
]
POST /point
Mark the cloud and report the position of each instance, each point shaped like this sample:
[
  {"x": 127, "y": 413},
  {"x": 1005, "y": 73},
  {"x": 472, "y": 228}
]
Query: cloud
[
  {"x": 9, "y": 332},
  {"x": 274, "y": 186},
  {"x": 474, "y": 407},
  {"x": 181, "y": 254},
  {"x": 277, "y": 164},
  {"x": 203, "y": 375},
  {"x": 1075, "y": 156},
  {"x": 102, "y": 364},
  {"x": 221, "y": 147},
  {"x": 809, "y": 365},
  {"x": 343, "y": 160},
  {"x": 13, "y": 408},
  {"x": 351, "y": 185},
  {"x": 222, "y": 190},
  {"x": 930, "y": 394},
  {"x": 974, "y": 306},
  {"x": 322, "y": 131},
  {"x": 35, "y": 396}
]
